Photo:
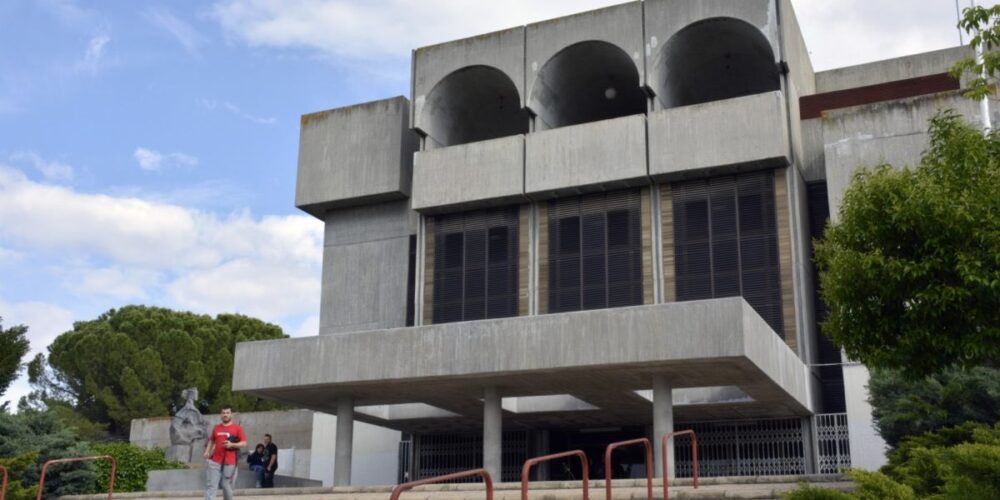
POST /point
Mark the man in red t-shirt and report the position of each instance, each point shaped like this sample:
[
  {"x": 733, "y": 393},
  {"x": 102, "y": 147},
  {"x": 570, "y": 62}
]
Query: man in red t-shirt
[{"x": 223, "y": 445}]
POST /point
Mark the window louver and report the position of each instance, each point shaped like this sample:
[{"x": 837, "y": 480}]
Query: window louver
[
  {"x": 595, "y": 251},
  {"x": 475, "y": 265},
  {"x": 726, "y": 242}
]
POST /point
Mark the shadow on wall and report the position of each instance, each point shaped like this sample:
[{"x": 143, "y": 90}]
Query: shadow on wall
[{"x": 473, "y": 104}]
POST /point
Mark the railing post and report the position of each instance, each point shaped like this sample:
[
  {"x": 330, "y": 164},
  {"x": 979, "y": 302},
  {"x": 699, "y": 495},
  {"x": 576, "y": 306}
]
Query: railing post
[
  {"x": 526, "y": 470},
  {"x": 694, "y": 458},
  {"x": 487, "y": 479},
  {"x": 649, "y": 465},
  {"x": 45, "y": 467},
  {"x": 3, "y": 488}
]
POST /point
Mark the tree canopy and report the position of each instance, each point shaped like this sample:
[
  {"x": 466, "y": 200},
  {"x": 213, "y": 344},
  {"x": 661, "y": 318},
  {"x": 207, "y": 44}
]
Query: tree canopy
[
  {"x": 984, "y": 25},
  {"x": 13, "y": 346},
  {"x": 911, "y": 272},
  {"x": 133, "y": 362}
]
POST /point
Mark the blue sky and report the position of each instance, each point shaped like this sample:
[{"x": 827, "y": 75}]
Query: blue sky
[{"x": 148, "y": 149}]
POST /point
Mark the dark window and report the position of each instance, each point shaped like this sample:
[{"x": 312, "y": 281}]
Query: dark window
[
  {"x": 726, "y": 242},
  {"x": 831, "y": 373},
  {"x": 595, "y": 251},
  {"x": 411, "y": 279},
  {"x": 475, "y": 265}
]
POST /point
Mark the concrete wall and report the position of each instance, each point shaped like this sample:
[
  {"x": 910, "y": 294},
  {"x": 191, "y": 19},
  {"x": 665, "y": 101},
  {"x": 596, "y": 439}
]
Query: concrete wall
[
  {"x": 900, "y": 68},
  {"x": 608, "y": 153},
  {"x": 749, "y": 132},
  {"x": 868, "y": 449},
  {"x": 889, "y": 132},
  {"x": 354, "y": 155},
  {"x": 479, "y": 173},
  {"x": 365, "y": 262}
]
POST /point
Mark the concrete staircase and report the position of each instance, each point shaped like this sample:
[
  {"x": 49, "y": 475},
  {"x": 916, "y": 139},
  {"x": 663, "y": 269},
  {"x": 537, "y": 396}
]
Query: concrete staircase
[{"x": 770, "y": 487}]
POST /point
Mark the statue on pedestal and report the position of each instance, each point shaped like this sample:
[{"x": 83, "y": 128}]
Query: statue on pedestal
[{"x": 188, "y": 430}]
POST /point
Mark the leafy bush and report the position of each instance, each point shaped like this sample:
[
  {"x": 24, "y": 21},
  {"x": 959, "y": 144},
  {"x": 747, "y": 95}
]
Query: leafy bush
[
  {"x": 16, "y": 468},
  {"x": 41, "y": 434},
  {"x": 878, "y": 486},
  {"x": 807, "y": 492},
  {"x": 134, "y": 464}
]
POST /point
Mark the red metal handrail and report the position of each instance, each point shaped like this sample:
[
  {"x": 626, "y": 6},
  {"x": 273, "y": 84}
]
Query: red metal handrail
[
  {"x": 694, "y": 458},
  {"x": 111, "y": 481},
  {"x": 399, "y": 489},
  {"x": 649, "y": 465},
  {"x": 537, "y": 460},
  {"x": 3, "y": 489}
]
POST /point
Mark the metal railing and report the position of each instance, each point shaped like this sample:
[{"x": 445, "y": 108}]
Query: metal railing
[
  {"x": 3, "y": 488},
  {"x": 399, "y": 489},
  {"x": 45, "y": 467},
  {"x": 694, "y": 453},
  {"x": 526, "y": 470},
  {"x": 649, "y": 465}
]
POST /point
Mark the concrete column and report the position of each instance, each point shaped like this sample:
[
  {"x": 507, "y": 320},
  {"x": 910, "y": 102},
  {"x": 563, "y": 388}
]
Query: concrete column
[
  {"x": 492, "y": 432},
  {"x": 345, "y": 442},
  {"x": 663, "y": 422}
]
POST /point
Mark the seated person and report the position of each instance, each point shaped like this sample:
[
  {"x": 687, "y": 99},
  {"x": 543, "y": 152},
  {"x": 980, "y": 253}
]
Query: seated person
[{"x": 257, "y": 463}]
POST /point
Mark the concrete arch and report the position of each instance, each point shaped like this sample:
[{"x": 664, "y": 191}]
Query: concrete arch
[
  {"x": 714, "y": 59},
  {"x": 586, "y": 82},
  {"x": 471, "y": 104}
]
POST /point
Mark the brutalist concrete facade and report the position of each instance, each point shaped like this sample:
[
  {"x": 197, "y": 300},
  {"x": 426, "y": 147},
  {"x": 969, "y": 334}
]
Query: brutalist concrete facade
[{"x": 657, "y": 97}]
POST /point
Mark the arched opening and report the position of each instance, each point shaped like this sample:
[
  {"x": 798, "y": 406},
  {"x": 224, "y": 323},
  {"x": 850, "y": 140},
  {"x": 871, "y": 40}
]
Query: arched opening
[
  {"x": 715, "y": 59},
  {"x": 472, "y": 104},
  {"x": 586, "y": 82}
]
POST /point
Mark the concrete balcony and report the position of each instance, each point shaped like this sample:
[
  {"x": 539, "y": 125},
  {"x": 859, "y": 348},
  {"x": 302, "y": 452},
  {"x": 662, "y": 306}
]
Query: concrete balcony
[
  {"x": 742, "y": 133},
  {"x": 469, "y": 175},
  {"x": 593, "y": 156},
  {"x": 601, "y": 357}
]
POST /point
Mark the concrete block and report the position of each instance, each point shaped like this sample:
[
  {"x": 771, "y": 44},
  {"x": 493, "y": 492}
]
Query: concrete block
[
  {"x": 741, "y": 133},
  {"x": 195, "y": 479},
  {"x": 502, "y": 50},
  {"x": 890, "y": 70},
  {"x": 469, "y": 175},
  {"x": 666, "y": 18},
  {"x": 619, "y": 25},
  {"x": 364, "y": 285},
  {"x": 600, "y": 155},
  {"x": 354, "y": 155}
]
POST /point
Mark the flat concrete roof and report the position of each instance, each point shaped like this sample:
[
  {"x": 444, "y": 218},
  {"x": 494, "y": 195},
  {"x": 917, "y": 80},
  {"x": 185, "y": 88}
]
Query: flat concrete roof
[{"x": 600, "y": 357}]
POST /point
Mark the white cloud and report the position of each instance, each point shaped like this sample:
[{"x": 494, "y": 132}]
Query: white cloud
[
  {"x": 52, "y": 170},
  {"x": 837, "y": 33},
  {"x": 153, "y": 161},
  {"x": 308, "y": 328},
  {"x": 264, "y": 266},
  {"x": 212, "y": 105},
  {"x": 184, "y": 33},
  {"x": 93, "y": 57}
]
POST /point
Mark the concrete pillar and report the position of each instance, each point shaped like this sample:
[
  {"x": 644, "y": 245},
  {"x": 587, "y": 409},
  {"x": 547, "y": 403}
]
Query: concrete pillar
[
  {"x": 492, "y": 432},
  {"x": 345, "y": 442},
  {"x": 663, "y": 422}
]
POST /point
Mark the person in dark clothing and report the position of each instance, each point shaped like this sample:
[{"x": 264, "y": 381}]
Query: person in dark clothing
[
  {"x": 271, "y": 461},
  {"x": 258, "y": 462}
]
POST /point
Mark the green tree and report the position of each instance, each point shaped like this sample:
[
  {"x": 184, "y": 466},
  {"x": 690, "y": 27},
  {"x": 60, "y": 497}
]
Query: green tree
[
  {"x": 904, "y": 407},
  {"x": 133, "y": 362},
  {"x": 982, "y": 23},
  {"x": 13, "y": 346},
  {"x": 30, "y": 438},
  {"x": 911, "y": 272}
]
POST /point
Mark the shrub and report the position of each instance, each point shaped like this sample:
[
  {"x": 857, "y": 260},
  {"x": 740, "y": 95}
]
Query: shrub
[
  {"x": 134, "y": 464},
  {"x": 807, "y": 492},
  {"x": 878, "y": 486}
]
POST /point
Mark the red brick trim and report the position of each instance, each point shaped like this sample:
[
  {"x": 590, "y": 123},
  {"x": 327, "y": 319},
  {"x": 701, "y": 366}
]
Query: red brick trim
[{"x": 812, "y": 106}]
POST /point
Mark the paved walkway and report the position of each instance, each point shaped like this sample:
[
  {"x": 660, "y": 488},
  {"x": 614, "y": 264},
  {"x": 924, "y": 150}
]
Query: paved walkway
[{"x": 625, "y": 489}]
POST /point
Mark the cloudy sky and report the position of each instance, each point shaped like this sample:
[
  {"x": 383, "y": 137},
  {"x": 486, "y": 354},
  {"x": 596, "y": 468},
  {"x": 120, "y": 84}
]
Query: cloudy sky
[{"x": 148, "y": 149}]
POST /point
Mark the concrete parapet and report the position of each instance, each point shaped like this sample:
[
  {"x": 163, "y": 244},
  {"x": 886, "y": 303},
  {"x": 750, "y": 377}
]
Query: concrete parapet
[
  {"x": 741, "y": 133},
  {"x": 469, "y": 175},
  {"x": 600, "y": 155},
  {"x": 354, "y": 155}
]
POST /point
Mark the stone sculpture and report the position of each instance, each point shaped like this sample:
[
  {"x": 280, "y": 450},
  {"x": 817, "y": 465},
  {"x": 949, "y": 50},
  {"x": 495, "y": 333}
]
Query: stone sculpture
[{"x": 188, "y": 430}]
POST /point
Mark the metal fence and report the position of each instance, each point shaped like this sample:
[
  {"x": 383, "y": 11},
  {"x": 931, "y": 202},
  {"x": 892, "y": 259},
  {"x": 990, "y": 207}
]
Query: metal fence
[
  {"x": 833, "y": 447},
  {"x": 440, "y": 454}
]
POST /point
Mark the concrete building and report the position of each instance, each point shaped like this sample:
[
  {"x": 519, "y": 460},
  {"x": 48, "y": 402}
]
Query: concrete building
[{"x": 597, "y": 228}]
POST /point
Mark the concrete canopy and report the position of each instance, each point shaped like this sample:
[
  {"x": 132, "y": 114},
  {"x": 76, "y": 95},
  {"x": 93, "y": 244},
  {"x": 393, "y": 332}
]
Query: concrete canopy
[{"x": 600, "y": 357}]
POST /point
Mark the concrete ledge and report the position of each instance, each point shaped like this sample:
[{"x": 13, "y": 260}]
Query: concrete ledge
[
  {"x": 738, "y": 134},
  {"x": 606, "y": 155},
  {"x": 354, "y": 155},
  {"x": 469, "y": 175}
]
